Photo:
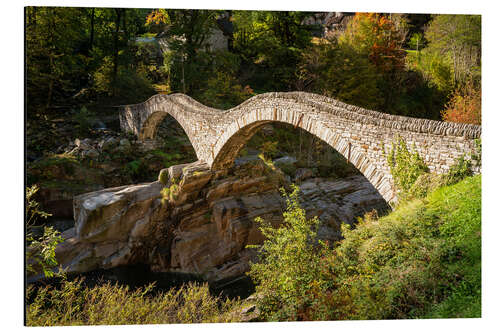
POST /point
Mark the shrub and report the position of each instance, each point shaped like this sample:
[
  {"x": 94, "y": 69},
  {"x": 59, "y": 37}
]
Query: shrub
[
  {"x": 425, "y": 184},
  {"x": 135, "y": 168},
  {"x": 82, "y": 117},
  {"x": 40, "y": 252},
  {"x": 405, "y": 166},
  {"x": 289, "y": 266},
  {"x": 464, "y": 106},
  {"x": 129, "y": 84},
  {"x": 269, "y": 148},
  {"x": 170, "y": 194},
  {"x": 163, "y": 177},
  {"x": 459, "y": 170},
  {"x": 422, "y": 260}
]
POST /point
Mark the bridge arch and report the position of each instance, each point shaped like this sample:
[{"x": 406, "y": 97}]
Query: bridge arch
[
  {"x": 238, "y": 133},
  {"x": 361, "y": 136}
]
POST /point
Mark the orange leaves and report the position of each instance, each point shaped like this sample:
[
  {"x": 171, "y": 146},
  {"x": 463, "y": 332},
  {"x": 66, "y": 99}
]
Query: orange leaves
[
  {"x": 382, "y": 39},
  {"x": 464, "y": 106},
  {"x": 156, "y": 17}
]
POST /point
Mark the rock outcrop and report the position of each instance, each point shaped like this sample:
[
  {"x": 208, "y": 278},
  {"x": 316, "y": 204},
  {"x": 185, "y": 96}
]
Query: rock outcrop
[{"x": 203, "y": 222}]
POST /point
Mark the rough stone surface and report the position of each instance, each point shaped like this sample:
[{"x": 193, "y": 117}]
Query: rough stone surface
[
  {"x": 206, "y": 228},
  {"x": 361, "y": 136}
]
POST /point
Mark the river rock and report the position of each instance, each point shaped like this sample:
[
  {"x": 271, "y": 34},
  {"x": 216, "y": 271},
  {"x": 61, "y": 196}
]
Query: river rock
[
  {"x": 125, "y": 143},
  {"x": 90, "y": 153},
  {"x": 108, "y": 144},
  {"x": 205, "y": 230},
  {"x": 84, "y": 144},
  {"x": 286, "y": 160},
  {"x": 303, "y": 173}
]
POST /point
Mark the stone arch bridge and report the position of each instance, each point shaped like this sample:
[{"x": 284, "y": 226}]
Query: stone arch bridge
[{"x": 361, "y": 136}]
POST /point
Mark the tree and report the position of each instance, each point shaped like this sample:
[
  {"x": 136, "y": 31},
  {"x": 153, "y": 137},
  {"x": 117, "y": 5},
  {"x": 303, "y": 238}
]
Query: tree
[
  {"x": 458, "y": 38},
  {"x": 464, "y": 105},
  {"x": 55, "y": 58},
  {"x": 339, "y": 71},
  {"x": 381, "y": 38},
  {"x": 270, "y": 44},
  {"x": 186, "y": 31},
  {"x": 378, "y": 36}
]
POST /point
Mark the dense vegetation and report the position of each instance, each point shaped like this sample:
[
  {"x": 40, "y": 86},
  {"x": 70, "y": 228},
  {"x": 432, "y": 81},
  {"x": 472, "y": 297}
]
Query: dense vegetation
[
  {"x": 401, "y": 64},
  {"x": 423, "y": 260}
]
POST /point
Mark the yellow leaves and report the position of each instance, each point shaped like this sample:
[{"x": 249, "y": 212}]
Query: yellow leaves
[{"x": 157, "y": 16}]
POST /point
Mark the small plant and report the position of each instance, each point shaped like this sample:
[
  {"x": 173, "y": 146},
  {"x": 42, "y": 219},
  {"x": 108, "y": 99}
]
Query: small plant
[
  {"x": 405, "y": 166},
  {"x": 135, "y": 168},
  {"x": 163, "y": 177},
  {"x": 40, "y": 252},
  {"x": 458, "y": 171},
  {"x": 169, "y": 194},
  {"x": 269, "y": 149},
  {"x": 476, "y": 156},
  {"x": 82, "y": 118},
  {"x": 267, "y": 161}
]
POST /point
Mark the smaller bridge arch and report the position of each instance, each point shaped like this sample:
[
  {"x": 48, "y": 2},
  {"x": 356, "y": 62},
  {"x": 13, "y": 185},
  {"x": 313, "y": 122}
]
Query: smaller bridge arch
[{"x": 361, "y": 136}]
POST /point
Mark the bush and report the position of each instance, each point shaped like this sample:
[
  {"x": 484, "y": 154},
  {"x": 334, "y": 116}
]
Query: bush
[
  {"x": 464, "y": 106},
  {"x": 405, "y": 166},
  {"x": 428, "y": 182},
  {"x": 423, "y": 260},
  {"x": 459, "y": 170},
  {"x": 269, "y": 149},
  {"x": 82, "y": 118},
  {"x": 135, "y": 168},
  {"x": 40, "y": 252},
  {"x": 289, "y": 266},
  {"x": 74, "y": 304},
  {"x": 131, "y": 86}
]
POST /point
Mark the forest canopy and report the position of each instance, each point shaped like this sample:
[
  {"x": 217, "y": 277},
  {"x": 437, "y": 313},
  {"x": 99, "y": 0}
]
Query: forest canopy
[{"x": 417, "y": 65}]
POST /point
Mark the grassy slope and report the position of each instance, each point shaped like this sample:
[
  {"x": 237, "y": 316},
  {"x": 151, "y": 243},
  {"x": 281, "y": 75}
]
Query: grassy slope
[
  {"x": 421, "y": 261},
  {"x": 460, "y": 209}
]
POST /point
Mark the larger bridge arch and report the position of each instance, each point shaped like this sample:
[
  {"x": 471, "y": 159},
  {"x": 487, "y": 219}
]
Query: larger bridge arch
[{"x": 361, "y": 136}]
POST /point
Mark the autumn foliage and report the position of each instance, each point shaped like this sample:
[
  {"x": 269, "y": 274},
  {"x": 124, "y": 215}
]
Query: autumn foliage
[
  {"x": 380, "y": 37},
  {"x": 464, "y": 106}
]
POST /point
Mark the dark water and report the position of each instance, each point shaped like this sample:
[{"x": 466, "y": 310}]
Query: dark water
[{"x": 136, "y": 276}]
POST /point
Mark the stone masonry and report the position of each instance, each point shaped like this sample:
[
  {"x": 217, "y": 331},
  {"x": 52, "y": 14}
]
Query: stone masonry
[{"x": 362, "y": 136}]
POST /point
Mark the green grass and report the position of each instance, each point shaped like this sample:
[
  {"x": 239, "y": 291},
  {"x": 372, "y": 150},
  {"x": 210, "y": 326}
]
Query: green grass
[
  {"x": 421, "y": 261},
  {"x": 111, "y": 304},
  {"x": 459, "y": 208}
]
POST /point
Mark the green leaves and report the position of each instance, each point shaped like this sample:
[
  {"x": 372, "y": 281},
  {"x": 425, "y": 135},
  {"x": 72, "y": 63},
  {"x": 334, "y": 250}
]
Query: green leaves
[
  {"x": 405, "y": 166},
  {"x": 290, "y": 262},
  {"x": 40, "y": 252}
]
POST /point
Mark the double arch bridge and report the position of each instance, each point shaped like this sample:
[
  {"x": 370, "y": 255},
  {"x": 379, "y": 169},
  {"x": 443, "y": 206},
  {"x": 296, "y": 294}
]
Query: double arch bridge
[{"x": 362, "y": 136}]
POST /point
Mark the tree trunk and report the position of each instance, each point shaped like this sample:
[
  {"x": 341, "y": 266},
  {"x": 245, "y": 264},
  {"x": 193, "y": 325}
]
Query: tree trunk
[
  {"x": 118, "y": 12},
  {"x": 92, "y": 23}
]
